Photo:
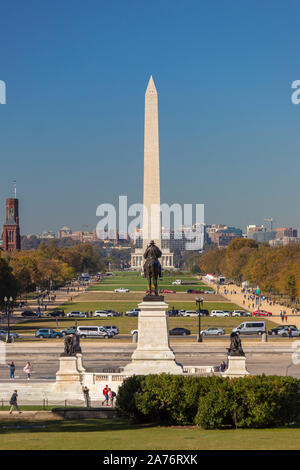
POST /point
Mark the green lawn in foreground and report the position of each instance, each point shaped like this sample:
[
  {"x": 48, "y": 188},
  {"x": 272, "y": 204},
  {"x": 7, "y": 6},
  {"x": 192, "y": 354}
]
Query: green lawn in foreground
[{"x": 105, "y": 434}]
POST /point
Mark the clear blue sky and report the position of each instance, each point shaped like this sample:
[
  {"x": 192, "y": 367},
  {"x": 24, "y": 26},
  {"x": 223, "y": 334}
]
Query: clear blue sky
[{"x": 76, "y": 74}]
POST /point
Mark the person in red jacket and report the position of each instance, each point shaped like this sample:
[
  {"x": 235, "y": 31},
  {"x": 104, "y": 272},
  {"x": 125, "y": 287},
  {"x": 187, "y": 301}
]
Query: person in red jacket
[{"x": 105, "y": 393}]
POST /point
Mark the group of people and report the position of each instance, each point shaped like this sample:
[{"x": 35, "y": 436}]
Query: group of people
[
  {"x": 108, "y": 393},
  {"x": 12, "y": 368}
]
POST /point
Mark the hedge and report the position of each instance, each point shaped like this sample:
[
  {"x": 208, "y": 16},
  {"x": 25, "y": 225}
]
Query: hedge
[{"x": 210, "y": 402}]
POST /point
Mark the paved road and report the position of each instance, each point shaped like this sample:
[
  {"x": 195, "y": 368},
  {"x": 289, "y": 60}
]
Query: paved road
[{"x": 261, "y": 358}]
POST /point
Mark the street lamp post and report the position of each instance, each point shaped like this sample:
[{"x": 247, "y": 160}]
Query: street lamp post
[
  {"x": 199, "y": 303},
  {"x": 8, "y": 308}
]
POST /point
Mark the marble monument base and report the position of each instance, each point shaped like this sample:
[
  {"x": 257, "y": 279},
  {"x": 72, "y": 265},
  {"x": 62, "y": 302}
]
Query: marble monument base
[
  {"x": 153, "y": 354},
  {"x": 236, "y": 367},
  {"x": 69, "y": 373}
]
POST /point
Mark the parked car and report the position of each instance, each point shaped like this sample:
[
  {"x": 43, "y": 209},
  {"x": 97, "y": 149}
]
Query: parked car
[
  {"x": 69, "y": 331},
  {"x": 57, "y": 313},
  {"x": 168, "y": 291},
  {"x": 76, "y": 314},
  {"x": 94, "y": 332},
  {"x": 4, "y": 333},
  {"x": 181, "y": 313},
  {"x": 102, "y": 313},
  {"x": 213, "y": 331},
  {"x": 122, "y": 290},
  {"x": 191, "y": 313},
  {"x": 30, "y": 313},
  {"x": 48, "y": 333},
  {"x": 241, "y": 313},
  {"x": 204, "y": 312},
  {"x": 179, "y": 332},
  {"x": 219, "y": 313},
  {"x": 251, "y": 328},
  {"x": 209, "y": 292},
  {"x": 261, "y": 313},
  {"x": 194, "y": 291},
  {"x": 274, "y": 331},
  {"x": 133, "y": 313},
  {"x": 172, "y": 313},
  {"x": 285, "y": 332},
  {"x": 178, "y": 282},
  {"x": 112, "y": 329}
]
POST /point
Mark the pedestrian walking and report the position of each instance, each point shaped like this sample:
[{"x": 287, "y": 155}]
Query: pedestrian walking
[
  {"x": 14, "y": 403},
  {"x": 105, "y": 394},
  {"x": 111, "y": 395},
  {"x": 281, "y": 315},
  {"x": 28, "y": 370},
  {"x": 12, "y": 369},
  {"x": 86, "y": 394}
]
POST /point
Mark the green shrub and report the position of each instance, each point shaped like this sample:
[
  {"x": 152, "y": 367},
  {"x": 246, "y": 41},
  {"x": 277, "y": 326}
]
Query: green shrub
[
  {"x": 210, "y": 402},
  {"x": 215, "y": 408},
  {"x": 265, "y": 401},
  {"x": 126, "y": 398}
]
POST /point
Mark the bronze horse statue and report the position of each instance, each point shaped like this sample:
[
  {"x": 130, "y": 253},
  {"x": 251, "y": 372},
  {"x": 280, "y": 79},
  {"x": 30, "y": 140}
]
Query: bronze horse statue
[{"x": 152, "y": 266}]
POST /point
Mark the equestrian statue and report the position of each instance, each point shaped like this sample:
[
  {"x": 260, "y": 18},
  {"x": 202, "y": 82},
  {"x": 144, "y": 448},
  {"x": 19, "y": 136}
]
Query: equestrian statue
[{"x": 152, "y": 266}]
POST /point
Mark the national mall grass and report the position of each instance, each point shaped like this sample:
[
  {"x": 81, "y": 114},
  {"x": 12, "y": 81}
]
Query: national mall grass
[{"x": 119, "y": 435}]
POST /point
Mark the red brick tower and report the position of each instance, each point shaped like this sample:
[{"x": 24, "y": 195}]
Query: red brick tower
[{"x": 11, "y": 230}]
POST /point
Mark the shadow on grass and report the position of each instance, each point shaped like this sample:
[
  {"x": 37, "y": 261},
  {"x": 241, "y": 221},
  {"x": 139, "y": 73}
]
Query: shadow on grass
[{"x": 86, "y": 425}]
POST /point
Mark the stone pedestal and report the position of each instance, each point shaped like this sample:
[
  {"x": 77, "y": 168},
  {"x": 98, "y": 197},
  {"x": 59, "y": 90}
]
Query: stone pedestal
[
  {"x": 68, "y": 377},
  {"x": 153, "y": 354},
  {"x": 79, "y": 363},
  {"x": 236, "y": 367}
]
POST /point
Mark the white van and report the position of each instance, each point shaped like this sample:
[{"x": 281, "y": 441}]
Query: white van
[
  {"x": 93, "y": 332},
  {"x": 251, "y": 328}
]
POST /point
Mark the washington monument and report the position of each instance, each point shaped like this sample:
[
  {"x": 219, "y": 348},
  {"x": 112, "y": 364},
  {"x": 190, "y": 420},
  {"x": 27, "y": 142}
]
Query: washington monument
[{"x": 151, "y": 215}]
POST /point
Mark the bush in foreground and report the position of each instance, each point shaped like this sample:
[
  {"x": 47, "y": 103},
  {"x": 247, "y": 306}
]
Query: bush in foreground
[{"x": 210, "y": 402}]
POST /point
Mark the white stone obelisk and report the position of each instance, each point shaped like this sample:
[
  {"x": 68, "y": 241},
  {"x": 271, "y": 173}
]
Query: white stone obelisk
[
  {"x": 151, "y": 229},
  {"x": 153, "y": 354},
  {"x": 151, "y": 214}
]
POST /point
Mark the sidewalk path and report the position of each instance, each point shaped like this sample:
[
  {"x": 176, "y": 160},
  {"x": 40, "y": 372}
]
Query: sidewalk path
[{"x": 292, "y": 319}]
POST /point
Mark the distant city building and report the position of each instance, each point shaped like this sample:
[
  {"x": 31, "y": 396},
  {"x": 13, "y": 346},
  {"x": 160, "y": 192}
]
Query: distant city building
[
  {"x": 222, "y": 235},
  {"x": 285, "y": 232},
  {"x": 255, "y": 228},
  {"x": 49, "y": 234},
  {"x": 64, "y": 232},
  {"x": 284, "y": 241}
]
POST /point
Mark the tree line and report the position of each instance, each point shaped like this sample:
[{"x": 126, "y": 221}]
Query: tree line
[
  {"x": 275, "y": 269},
  {"x": 25, "y": 270}
]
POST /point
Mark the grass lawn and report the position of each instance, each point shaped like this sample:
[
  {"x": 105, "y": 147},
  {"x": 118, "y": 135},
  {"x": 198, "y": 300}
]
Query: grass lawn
[
  {"x": 117, "y": 434},
  {"x": 143, "y": 287},
  {"x": 135, "y": 282}
]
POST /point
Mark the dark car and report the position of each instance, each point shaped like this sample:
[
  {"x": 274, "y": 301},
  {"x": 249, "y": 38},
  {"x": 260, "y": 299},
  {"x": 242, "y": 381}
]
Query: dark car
[
  {"x": 57, "y": 313},
  {"x": 179, "y": 332},
  {"x": 29, "y": 313},
  {"x": 204, "y": 313},
  {"x": 172, "y": 313},
  {"x": 194, "y": 291},
  {"x": 274, "y": 331},
  {"x": 69, "y": 331}
]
